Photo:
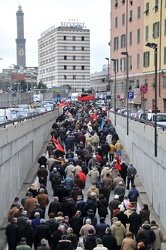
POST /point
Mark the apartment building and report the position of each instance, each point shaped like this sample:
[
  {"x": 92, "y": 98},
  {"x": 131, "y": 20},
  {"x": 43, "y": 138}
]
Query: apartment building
[
  {"x": 64, "y": 56},
  {"x": 134, "y": 23}
]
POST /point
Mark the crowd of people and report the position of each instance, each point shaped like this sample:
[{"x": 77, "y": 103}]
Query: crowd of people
[{"x": 84, "y": 145}]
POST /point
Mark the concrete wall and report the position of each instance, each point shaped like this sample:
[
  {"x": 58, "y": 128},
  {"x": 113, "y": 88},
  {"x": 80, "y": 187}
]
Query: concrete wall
[
  {"x": 139, "y": 145},
  {"x": 20, "y": 144},
  {"x": 8, "y": 100}
]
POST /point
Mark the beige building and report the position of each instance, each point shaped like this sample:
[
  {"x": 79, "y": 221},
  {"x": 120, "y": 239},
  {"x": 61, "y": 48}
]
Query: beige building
[{"x": 64, "y": 56}]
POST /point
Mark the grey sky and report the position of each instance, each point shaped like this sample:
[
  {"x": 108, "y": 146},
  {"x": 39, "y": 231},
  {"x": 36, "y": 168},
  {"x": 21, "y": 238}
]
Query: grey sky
[{"x": 39, "y": 15}]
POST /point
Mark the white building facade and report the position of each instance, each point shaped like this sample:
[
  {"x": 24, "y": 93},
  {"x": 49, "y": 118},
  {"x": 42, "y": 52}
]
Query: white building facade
[{"x": 64, "y": 56}]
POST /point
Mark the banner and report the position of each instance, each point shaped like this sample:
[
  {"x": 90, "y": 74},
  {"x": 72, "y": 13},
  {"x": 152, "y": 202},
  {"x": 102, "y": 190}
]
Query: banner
[
  {"x": 57, "y": 144},
  {"x": 86, "y": 98},
  {"x": 61, "y": 104}
]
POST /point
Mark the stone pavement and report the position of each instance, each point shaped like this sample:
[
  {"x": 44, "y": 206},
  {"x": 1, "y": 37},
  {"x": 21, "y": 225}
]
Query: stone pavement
[{"x": 143, "y": 199}]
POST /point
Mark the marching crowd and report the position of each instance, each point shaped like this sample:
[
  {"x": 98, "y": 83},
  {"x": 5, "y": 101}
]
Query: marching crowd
[{"x": 83, "y": 144}]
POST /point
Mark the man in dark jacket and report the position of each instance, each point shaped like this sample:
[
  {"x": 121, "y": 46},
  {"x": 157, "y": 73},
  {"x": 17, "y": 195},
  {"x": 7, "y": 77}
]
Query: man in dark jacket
[
  {"x": 90, "y": 240},
  {"x": 150, "y": 235},
  {"x": 131, "y": 172},
  {"x": 54, "y": 206},
  {"x": 64, "y": 244},
  {"x": 62, "y": 192},
  {"x": 28, "y": 233},
  {"x": 114, "y": 204},
  {"x": 133, "y": 195},
  {"x": 109, "y": 240},
  {"x": 135, "y": 222},
  {"x": 120, "y": 191},
  {"x": 42, "y": 232},
  {"x": 57, "y": 236},
  {"x": 12, "y": 233},
  {"x": 101, "y": 227}
]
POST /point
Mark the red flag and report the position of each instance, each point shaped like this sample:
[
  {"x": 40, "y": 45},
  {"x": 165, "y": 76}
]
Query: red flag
[
  {"x": 86, "y": 98},
  {"x": 57, "y": 144},
  {"x": 61, "y": 104},
  {"x": 118, "y": 166}
]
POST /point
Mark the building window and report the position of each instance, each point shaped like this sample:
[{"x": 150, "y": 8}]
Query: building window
[
  {"x": 116, "y": 22},
  {"x": 64, "y": 38},
  {"x": 123, "y": 19},
  {"x": 65, "y": 67},
  {"x": 130, "y": 38},
  {"x": 146, "y": 81},
  {"x": 82, "y": 38},
  {"x": 139, "y": 12},
  {"x": 131, "y": 16},
  {"x": 164, "y": 82},
  {"x": 74, "y": 58},
  {"x": 74, "y": 48},
  {"x": 147, "y": 9},
  {"x": 74, "y": 77},
  {"x": 137, "y": 84},
  {"x": 82, "y": 58},
  {"x": 115, "y": 66},
  {"x": 122, "y": 64},
  {"x": 74, "y": 38},
  {"x": 156, "y": 30},
  {"x": 147, "y": 33},
  {"x": 82, "y": 48},
  {"x": 138, "y": 36},
  {"x": 64, "y": 47},
  {"x": 116, "y": 3},
  {"x": 146, "y": 59},
  {"x": 165, "y": 27},
  {"x": 65, "y": 77},
  {"x": 164, "y": 55},
  {"x": 130, "y": 62},
  {"x": 138, "y": 61},
  {"x": 122, "y": 86},
  {"x": 74, "y": 67},
  {"x": 156, "y": 5},
  {"x": 123, "y": 41},
  {"x": 82, "y": 67},
  {"x": 116, "y": 43},
  {"x": 65, "y": 57}
]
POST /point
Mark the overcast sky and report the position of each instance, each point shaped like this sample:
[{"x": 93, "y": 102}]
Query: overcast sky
[{"x": 39, "y": 15}]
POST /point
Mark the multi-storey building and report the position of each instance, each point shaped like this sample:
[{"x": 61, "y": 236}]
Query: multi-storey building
[
  {"x": 134, "y": 23},
  {"x": 64, "y": 56}
]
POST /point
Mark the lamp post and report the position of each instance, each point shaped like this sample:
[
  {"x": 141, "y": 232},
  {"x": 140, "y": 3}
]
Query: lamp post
[
  {"x": 108, "y": 76},
  {"x": 127, "y": 87},
  {"x": 114, "y": 60},
  {"x": 154, "y": 46}
]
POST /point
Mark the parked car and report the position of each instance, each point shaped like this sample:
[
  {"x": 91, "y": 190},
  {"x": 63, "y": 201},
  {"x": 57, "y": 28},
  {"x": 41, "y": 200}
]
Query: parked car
[{"x": 40, "y": 111}]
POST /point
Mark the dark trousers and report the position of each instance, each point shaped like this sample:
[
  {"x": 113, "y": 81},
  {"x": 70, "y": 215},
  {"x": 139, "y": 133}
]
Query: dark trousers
[
  {"x": 12, "y": 247},
  {"x": 128, "y": 182}
]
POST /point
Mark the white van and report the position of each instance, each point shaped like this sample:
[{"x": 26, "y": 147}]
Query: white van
[
  {"x": 74, "y": 96},
  {"x": 161, "y": 118}
]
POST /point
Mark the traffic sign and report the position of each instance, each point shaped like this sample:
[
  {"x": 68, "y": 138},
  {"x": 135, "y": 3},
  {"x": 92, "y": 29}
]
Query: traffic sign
[
  {"x": 130, "y": 95},
  {"x": 143, "y": 89}
]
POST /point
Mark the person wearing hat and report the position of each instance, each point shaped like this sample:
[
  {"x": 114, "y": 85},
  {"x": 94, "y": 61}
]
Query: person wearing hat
[
  {"x": 42, "y": 174},
  {"x": 135, "y": 222},
  {"x": 23, "y": 245},
  {"x": 118, "y": 230},
  {"x": 102, "y": 205},
  {"x": 92, "y": 217},
  {"x": 90, "y": 240},
  {"x": 150, "y": 235},
  {"x": 120, "y": 190},
  {"x": 159, "y": 235},
  {"x": 113, "y": 205}
]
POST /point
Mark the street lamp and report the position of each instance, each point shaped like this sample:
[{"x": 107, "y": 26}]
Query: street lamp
[
  {"x": 127, "y": 87},
  {"x": 114, "y": 60},
  {"x": 109, "y": 83},
  {"x": 154, "y": 46}
]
